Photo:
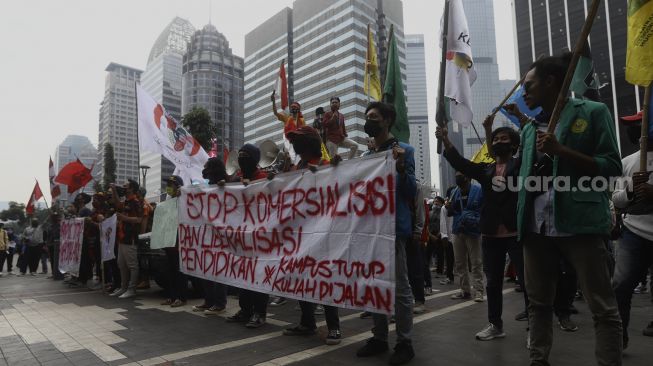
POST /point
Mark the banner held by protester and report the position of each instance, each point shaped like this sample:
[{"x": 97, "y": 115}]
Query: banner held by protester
[
  {"x": 325, "y": 237},
  {"x": 108, "y": 238},
  {"x": 164, "y": 226},
  {"x": 70, "y": 250}
]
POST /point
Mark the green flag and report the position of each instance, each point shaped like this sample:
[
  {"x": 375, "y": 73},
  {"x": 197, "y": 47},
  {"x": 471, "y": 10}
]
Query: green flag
[
  {"x": 393, "y": 91},
  {"x": 585, "y": 83}
]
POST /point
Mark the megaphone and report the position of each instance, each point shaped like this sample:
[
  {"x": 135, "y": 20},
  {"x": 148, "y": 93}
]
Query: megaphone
[
  {"x": 269, "y": 153},
  {"x": 232, "y": 162}
]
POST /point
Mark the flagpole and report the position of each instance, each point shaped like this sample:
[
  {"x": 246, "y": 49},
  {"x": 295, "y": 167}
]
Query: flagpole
[
  {"x": 564, "y": 89},
  {"x": 440, "y": 115},
  {"x": 477, "y": 135},
  {"x": 367, "y": 65},
  {"x": 643, "y": 140},
  {"x": 496, "y": 110}
]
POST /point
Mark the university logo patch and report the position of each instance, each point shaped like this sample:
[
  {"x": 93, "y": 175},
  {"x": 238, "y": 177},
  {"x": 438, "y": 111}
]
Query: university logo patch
[{"x": 579, "y": 126}]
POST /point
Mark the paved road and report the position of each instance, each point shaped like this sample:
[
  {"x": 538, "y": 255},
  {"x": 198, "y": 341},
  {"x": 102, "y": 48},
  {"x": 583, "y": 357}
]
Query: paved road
[{"x": 44, "y": 322}]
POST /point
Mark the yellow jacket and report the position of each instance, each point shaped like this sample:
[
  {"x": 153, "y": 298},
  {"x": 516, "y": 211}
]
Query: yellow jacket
[{"x": 4, "y": 239}]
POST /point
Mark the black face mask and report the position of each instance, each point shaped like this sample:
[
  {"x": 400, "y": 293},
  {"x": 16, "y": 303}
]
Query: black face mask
[
  {"x": 121, "y": 191},
  {"x": 372, "y": 128},
  {"x": 502, "y": 148},
  {"x": 300, "y": 149},
  {"x": 246, "y": 164},
  {"x": 460, "y": 180}
]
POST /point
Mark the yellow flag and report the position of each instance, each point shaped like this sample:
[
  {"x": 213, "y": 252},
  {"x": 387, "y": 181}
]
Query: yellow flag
[
  {"x": 482, "y": 155},
  {"x": 372, "y": 79},
  {"x": 325, "y": 153},
  {"x": 639, "y": 67}
]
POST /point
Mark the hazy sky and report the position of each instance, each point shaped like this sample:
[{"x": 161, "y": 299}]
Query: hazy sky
[{"x": 55, "y": 52}]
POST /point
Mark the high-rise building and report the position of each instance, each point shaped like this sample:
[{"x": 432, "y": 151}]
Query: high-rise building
[
  {"x": 549, "y": 27},
  {"x": 119, "y": 121},
  {"x": 213, "y": 79},
  {"x": 324, "y": 44},
  {"x": 162, "y": 80},
  {"x": 418, "y": 106},
  {"x": 75, "y": 147}
]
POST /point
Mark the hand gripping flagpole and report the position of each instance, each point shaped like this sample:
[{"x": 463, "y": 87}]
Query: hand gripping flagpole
[
  {"x": 643, "y": 140},
  {"x": 441, "y": 114},
  {"x": 564, "y": 90}
]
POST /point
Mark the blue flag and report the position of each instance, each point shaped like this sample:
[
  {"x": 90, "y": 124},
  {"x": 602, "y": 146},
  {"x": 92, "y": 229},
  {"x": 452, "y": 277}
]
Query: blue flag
[{"x": 518, "y": 98}]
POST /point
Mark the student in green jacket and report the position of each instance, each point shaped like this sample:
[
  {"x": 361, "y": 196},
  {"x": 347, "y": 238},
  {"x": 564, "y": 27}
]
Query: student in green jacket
[{"x": 566, "y": 218}]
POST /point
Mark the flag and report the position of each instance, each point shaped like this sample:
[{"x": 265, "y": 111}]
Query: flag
[
  {"x": 460, "y": 73},
  {"x": 482, "y": 155},
  {"x": 325, "y": 153},
  {"x": 585, "y": 82},
  {"x": 281, "y": 86},
  {"x": 372, "y": 79},
  {"x": 393, "y": 91},
  {"x": 33, "y": 198},
  {"x": 517, "y": 98},
  {"x": 158, "y": 132},
  {"x": 75, "y": 175},
  {"x": 640, "y": 42},
  {"x": 55, "y": 190}
]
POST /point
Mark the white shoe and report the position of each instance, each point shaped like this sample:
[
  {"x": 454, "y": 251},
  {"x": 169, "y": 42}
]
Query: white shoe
[
  {"x": 118, "y": 292},
  {"x": 419, "y": 308},
  {"x": 129, "y": 293},
  {"x": 490, "y": 332}
]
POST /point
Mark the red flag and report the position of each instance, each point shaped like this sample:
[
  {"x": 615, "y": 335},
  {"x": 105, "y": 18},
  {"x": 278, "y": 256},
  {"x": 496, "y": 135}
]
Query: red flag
[
  {"x": 75, "y": 175},
  {"x": 36, "y": 195},
  {"x": 281, "y": 86},
  {"x": 55, "y": 190}
]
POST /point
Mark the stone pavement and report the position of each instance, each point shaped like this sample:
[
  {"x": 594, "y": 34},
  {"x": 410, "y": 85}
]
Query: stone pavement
[{"x": 44, "y": 322}]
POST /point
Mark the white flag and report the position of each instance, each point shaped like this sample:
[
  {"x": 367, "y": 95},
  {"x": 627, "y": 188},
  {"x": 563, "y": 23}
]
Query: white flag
[
  {"x": 108, "y": 237},
  {"x": 160, "y": 133},
  {"x": 460, "y": 73}
]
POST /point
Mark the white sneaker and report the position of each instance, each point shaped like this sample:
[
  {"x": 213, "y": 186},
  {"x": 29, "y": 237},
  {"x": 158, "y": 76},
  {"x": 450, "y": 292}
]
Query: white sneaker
[
  {"x": 127, "y": 294},
  {"x": 419, "y": 308},
  {"x": 528, "y": 339},
  {"x": 490, "y": 332},
  {"x": 118, "y": 292},
  {"x": 478, "y": 297}
]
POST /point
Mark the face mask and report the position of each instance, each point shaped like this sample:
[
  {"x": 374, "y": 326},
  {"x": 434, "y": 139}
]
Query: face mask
[
  {"x": 299, "y": 149},
  {"x": 246, "y": 163},
  {"x": 460, "y": 180},
  {"x": 502, "y": 148},
  {"x": 372, "y": 128},
  {"x": 170, "y": 191},
  {"x": 205, "y": 173},
  {"x": 121, "y": 191}
]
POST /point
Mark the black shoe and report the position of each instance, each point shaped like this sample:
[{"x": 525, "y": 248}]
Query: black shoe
[
  {"x": 567, "y": 324},
  {"x": 256, "y": 321},
  {"x": 523, "y": 316},
  {"x": 299, "y": 330},
  {"x": 648, "y": 331},
  {"x": 403, "y": 354},
  {"x": 372, "y": 347},
  {"x": 239, "y": 317},
  {"x": 365, "y": 315}
]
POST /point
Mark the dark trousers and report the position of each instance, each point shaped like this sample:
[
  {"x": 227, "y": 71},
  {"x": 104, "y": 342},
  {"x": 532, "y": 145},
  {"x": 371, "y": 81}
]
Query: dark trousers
[
  {"x": 449, "y": 258},
  {"x": 415, "y": 258},
  {"x": 3, "y": 257},
  {"x": 251, "y": 302},
  {"x": 634, "y": 256},
  {"x": 494, "y": 261},
  {"x": 308, "y": 316},
  {"x": 113, "y": 273},
  {"x": 10, "y": 259},
  {"x": 53, "y": 248},
  {"x": 565, "y": 290},
  {"x": 33, "y": 257},
  {"x": 438, "y": 249},
  {"x": 178, "y": 281},
  {"x": 85, "y": 264},
  {"x": 215, "y": 294}
]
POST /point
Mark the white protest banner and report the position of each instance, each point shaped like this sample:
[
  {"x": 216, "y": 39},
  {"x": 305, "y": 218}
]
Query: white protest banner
[
  {"x": 70, "y": 249},
  {"x": 326, "y": 237},
  {"x": 164, "y": 226},
  {"x": 108, "y": 237}
]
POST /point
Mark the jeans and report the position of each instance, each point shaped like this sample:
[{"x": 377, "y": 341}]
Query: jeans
[
  {"x": 308, "y": 316},
  {"x": 415, "y": 262},
  {"x": 634, "y": 257},
  {"x": 588, "y": 256},
  {"x": 346, "y": 143},
  {"x": 128, "y": 264},
  {"x": 251, "y": 302},
  {"x": 494, "y": 260},
  {"x": 403, "y": 300},
  {"x": 467, "y": 247},
  {"x": 215, "y": 294}
]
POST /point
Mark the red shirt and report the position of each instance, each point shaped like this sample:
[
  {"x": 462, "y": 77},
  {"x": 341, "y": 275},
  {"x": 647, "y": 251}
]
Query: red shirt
[
  {"x": 258, "y": 174},
  {"x": 335, "y": 131}
]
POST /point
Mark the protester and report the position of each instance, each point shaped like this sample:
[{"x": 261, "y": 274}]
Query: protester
[
  {"x": 54, "y": 241},
  {"x": 32, "y": 246},
  {"x": 336, "y": 132},
  {"x": 4, "y": 246},
  {"x": 447, "y": 237},
  {"x": 379, "y": 118},
  {"x": 635, "y": 248},
  {"x": 317, "y": 122},
  {"x": 90, "y": 236},
  {"x": 11, "y": 249},
  {"x": 583, "y": 145},
  {"x": 465, "y": 208},
  {"x": 415, "y": 252},
  {"x": 129, "y": 214},
  {"x": 176, "y": 291},
  {"x": 253, "y": 305},
  {"x": 498, "y": 218},
  {"x": 434, "y": 246}
]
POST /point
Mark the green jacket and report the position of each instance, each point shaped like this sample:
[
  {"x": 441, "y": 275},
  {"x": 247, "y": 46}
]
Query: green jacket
[{"x": 586, "y": 127}]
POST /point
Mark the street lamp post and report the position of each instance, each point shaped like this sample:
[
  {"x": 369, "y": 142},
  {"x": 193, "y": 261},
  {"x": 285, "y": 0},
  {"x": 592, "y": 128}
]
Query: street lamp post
[{"x": 144, "y": 169}]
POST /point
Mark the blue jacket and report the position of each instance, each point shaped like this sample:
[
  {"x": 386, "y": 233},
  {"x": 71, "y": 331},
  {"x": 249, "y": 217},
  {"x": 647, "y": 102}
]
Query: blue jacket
[
  {"x": 473, "y": 209},
  {"x": 406, "y": 190}
]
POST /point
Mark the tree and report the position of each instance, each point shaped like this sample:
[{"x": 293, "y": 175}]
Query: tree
[
  {"x": 199, "y": 125},
  {"x": 15, "y": 211},
  {"x": 109, "y": 165}
]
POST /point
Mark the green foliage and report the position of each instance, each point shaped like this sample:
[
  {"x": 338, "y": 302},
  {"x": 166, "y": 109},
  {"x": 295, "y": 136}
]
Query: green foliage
[
  {"x": 16, "y": 211},
  {"x": 199, "y": 125},
  {"x": 109, "y": 165}
]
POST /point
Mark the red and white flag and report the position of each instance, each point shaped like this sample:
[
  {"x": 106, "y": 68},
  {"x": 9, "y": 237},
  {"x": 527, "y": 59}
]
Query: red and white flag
[
  {"x": 281, "y": 86},
  {"x": 36, "y": 195},
  {"x": 55, "y": 190},
  {"x": 158, "y": 132}
]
